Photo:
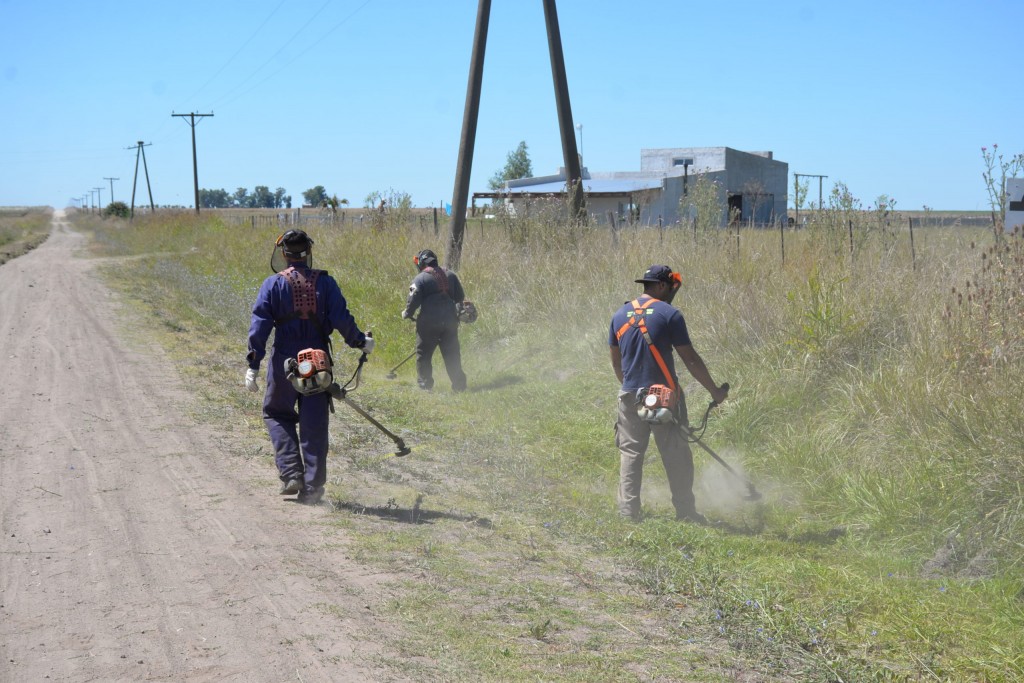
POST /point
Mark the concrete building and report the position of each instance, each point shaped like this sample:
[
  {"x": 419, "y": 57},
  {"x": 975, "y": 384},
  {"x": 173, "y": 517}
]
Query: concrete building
[{"x": 752, "y": 187}]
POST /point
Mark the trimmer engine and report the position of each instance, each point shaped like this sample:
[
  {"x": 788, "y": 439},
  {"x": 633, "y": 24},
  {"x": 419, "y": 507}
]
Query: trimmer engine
[
  {"x": 657, "y": 404},
  {"x": 310, "y": 372}
]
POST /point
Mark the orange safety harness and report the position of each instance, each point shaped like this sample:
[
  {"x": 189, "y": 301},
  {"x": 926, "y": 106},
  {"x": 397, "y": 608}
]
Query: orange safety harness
[
  {"x": 657, "y": 403},
  {"x": 635, "y": 319}
]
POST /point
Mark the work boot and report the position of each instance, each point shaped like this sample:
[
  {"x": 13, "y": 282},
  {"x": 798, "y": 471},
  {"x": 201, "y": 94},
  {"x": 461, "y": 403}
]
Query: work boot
[
  {"x": 312, "y": 496},
  {"x": 291, "y": 487},
  {"x": 692, "y": 517}
]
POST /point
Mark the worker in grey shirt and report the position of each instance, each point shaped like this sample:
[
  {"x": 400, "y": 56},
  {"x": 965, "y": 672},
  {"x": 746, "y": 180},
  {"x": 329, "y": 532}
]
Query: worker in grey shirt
[{"x": 435, "y": 292}]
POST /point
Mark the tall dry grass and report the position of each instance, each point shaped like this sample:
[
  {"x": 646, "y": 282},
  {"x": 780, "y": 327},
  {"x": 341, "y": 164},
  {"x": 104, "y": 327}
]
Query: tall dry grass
[{"x": 864, "y": 381}]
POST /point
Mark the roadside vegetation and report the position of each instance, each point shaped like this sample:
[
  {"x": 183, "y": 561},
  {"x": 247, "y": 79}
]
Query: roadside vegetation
[
  {"x": 876, "y": 401},
  {"x": 22, "y": 229}
]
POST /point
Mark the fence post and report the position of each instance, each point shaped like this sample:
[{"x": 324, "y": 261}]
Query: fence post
[
  {"x": 695, "y": 230},
  {"x": 661, "y": 232},
  {"x": 252, "y": 221},
  {"x": 782, "y": 240},
  {"x": 615, "y": 229},
  {"x": 913, "y": 254},
  {"x": 436, "y": 229},
  {"x": 851, "y": 237}
]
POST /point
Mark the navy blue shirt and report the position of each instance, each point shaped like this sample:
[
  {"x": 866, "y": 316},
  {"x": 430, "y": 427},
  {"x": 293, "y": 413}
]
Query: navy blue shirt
[{"x": 667, "y": 328}]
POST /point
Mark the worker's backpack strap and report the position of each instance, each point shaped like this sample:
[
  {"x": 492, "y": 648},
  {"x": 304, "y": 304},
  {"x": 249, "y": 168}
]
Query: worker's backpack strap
[
  {"x": 440, "y": 277},
  {"x": 304, "y": 300},
  {"x": 303, "y": 288},
  {"x": 635, "y": 319}
]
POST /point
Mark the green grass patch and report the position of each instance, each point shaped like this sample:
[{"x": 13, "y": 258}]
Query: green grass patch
[
  {"x": 877, "y": 411},
  {"x": 22, "y": 229}
]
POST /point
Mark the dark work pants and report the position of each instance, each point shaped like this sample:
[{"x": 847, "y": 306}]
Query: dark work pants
[
  {"x": 298, "y": 428},
  {"x": 431, "y": 334}
]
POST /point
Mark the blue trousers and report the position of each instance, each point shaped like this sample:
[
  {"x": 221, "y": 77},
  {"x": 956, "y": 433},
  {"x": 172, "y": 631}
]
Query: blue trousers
[{"x": 297, "y": 426}]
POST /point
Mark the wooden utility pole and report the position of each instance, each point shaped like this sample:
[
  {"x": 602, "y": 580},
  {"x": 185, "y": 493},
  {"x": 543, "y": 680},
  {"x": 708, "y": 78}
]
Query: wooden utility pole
[
  {"x": 571, "y": 158},
  {"x": 464, "y": 166},
  {"x": 111, "y": 188},
  {"x": 195, "y": 167},
  {"x": 141, "y": 152},
  {"x": 453, "y": 254},
  {"x": 796, "y": 194}
]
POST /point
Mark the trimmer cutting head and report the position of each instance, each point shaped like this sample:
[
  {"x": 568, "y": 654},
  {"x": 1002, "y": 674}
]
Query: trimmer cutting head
[{"x": 752, "y": 493}]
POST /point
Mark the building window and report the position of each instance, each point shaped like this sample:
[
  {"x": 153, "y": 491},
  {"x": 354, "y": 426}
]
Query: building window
[{"x": 682, "y": 161}]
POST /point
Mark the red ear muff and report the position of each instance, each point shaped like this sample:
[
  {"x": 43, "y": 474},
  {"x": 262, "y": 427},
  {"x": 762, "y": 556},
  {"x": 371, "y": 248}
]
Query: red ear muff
[{"x": 416, "y": 260}]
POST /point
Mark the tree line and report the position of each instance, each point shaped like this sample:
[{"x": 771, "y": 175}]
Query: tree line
[{"x": 262, "y": 198}]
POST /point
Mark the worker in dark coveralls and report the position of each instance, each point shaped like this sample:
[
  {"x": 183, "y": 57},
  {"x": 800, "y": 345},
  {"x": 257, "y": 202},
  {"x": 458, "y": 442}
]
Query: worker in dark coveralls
[
  {"x": 436, "y": 292},
  {"x": 303, "y": 306}
]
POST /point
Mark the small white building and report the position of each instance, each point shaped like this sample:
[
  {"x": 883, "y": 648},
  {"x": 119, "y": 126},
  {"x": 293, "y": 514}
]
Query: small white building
[{"x": 752, "y": 186}]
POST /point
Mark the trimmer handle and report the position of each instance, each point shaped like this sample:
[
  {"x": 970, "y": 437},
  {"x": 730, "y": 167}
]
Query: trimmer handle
[{"x": 725, "y": 386}]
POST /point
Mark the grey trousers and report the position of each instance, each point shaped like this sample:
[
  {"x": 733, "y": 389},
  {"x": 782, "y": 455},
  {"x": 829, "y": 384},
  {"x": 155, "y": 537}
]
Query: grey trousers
[
  {"x": 431, "y": 334},
  {"x": 632, "y": 436}
]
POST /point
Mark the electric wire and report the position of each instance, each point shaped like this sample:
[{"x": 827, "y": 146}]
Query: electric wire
[
  {"x": 273, "y": 56},
  {"x": 228, "y": 98},
  {"x": 237, "y": 52}
]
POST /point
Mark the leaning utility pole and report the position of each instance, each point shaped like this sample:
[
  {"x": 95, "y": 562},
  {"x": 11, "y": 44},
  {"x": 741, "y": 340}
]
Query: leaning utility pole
[
  {"x": 195, "y": 167},
  {"x": 465, "y": 164},
  {"x": 574, "y": 176},
  {"x": 140, "y": 146},
  {"x": 469, "y": 120},
  {"x": 99, "y": 195},
  {"x": 111, "y": 188}
]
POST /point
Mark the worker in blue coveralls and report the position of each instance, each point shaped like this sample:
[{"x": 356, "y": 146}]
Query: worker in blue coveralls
[{"x": 303, "y": 306}]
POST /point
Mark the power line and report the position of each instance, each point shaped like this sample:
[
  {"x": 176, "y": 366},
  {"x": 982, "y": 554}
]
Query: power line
[
  {"x": 237, "y": 52},
  {"x": 293, "y": 59},
  {"x": 273, "y": 56}
]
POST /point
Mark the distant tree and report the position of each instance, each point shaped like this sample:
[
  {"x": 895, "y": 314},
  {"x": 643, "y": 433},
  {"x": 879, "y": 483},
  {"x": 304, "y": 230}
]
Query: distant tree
[
  {"x": 517, "y": 165},
  {"x": 315, "y": 196},
  {"x": 214, "y": 199},
  {"x": 279, "y": 198},
  {"x": 119, "y": 209},
  {"x": 241, "y": 198},
  {"x": 262, "y": 197}
]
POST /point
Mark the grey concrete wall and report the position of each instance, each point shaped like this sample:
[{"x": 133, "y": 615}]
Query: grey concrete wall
[{"x": 745, "y": 171}]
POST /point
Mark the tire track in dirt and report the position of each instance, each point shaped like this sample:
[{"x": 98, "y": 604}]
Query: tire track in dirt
[{"x": 133, "y": 544}]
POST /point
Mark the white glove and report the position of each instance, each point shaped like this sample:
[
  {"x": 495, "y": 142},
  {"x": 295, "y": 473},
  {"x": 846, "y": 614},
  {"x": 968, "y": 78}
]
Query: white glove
[
  {"x": 405, "y": 314},
  {"x": 368, "y": 345},
  {"x": 250, "y": 381}
]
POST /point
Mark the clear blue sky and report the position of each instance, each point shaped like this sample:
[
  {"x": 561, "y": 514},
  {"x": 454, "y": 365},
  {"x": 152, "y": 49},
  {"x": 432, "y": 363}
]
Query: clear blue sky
[{"x": 368, "y": 95}]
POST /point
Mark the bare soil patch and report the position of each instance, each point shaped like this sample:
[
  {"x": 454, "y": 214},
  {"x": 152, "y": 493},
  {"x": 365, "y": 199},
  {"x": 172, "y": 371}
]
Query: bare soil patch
[{"x": 136, "y": 544}]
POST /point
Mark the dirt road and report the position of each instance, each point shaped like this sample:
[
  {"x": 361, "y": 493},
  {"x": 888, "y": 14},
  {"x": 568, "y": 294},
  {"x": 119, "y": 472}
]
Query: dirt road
[{"x": 134, "y": 546}]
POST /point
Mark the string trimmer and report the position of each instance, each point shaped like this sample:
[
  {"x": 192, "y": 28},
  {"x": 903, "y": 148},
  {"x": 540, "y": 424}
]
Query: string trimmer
[
  {"x": 341, "y": 392},
  {"x": 310, "y": 372},
  {"x": 391, "y": 374},
  {"x": 693, "y": 437}
]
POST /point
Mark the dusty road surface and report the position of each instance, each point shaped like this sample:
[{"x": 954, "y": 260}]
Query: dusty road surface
[{"x": 133, "y": 547}]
